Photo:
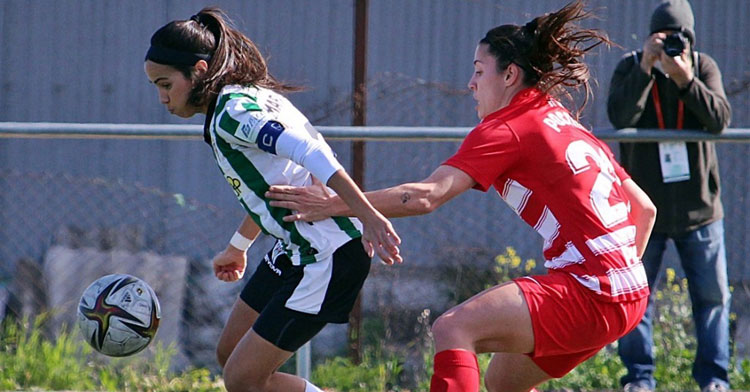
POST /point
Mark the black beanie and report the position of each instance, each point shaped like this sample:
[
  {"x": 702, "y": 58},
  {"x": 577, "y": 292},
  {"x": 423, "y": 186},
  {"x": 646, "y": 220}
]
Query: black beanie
[{"x": 674, "y": 15}]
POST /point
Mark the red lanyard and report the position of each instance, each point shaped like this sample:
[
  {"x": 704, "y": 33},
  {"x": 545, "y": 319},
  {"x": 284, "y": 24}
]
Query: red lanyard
[{"x": 660, "y": 115}]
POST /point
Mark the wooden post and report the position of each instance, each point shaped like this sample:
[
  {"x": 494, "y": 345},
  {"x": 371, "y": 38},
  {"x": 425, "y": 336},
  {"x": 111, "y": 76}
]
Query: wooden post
[{"x": 359, "y": 118}]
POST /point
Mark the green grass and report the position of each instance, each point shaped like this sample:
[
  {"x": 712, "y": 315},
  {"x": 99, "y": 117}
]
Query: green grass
[
  {"x": 673, "y": 333},
  {"x": 374, "y": 373},
  {"x": 30, "y": 360}
]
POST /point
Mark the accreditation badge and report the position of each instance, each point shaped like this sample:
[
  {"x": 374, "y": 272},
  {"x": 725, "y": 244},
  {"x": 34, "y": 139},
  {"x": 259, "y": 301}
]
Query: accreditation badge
[{"x": 674, "y": 161}]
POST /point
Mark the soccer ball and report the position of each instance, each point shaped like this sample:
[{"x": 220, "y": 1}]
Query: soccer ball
[{"x": 119, "y": 315}]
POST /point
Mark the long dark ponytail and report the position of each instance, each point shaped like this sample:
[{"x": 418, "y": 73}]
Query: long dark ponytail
[
  {"x": 550, "y": 49},
  {"x": 231, "y": 56}
]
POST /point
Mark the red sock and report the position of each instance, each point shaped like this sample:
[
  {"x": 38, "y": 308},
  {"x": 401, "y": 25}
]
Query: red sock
[{"x": 455, "y": 371}]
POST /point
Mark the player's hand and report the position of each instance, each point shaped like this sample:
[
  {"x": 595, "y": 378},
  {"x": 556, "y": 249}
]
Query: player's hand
[
  {"x": 230, "y": 264},
  {"x": 379, "y": 237},
  {"x": 309, "y": 202}
]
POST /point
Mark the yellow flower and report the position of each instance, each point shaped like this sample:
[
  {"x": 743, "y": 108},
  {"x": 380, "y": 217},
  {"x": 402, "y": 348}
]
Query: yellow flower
[
  {"x": 530, "y": 265},
  {"x": 670, "y": 275},
  {"x": 501, "y": 259}
]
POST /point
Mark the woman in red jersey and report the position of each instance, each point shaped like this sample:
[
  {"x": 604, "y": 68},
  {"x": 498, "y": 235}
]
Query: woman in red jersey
[{"x": 561, "y": 180}]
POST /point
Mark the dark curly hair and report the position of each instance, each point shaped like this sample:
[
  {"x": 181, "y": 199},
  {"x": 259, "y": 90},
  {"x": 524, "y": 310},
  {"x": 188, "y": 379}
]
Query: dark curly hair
[{"x": 550, "y": 49}]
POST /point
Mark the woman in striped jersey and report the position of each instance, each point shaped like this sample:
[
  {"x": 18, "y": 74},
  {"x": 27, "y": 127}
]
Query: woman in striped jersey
[
  {"x": 562, "y": 181},
  {"x": 315, "y": 272}
]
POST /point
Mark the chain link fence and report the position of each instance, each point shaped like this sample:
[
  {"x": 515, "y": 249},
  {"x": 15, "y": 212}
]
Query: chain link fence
[
  {"x": 61, "y": 233},
  {"x": 60, "y": 230}
]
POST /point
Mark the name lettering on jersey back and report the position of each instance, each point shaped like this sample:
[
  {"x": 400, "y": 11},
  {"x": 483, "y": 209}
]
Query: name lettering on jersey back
[
  {"x": 560, "y": 118},
  {"x": 273, "y": 105}
]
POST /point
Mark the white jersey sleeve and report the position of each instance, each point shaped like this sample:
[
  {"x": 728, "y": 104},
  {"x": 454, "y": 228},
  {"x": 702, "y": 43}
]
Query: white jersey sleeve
[
  {"x": 260, "y": 139},
  {"x": 245, "y": 124}
]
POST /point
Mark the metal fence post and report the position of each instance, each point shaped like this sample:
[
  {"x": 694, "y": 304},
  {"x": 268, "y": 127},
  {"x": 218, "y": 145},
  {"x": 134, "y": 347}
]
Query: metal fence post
[{"x": 303, "y": 361}]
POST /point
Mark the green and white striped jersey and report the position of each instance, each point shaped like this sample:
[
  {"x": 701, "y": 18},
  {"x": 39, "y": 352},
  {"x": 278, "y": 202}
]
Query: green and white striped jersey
[{"x": 260, "y": 139}]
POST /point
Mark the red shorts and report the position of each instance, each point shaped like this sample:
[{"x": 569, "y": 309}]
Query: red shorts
[{"x": 570, "y": 325}]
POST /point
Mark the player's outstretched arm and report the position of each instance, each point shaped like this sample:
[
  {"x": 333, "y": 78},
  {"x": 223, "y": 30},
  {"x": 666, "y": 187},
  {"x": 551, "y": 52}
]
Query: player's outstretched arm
[
  {"x": 378, "y": 236},
  {"x": 314, "y": 203},
  {"x": 230, "y": 264},
  {"x": 643, "y": 212}
]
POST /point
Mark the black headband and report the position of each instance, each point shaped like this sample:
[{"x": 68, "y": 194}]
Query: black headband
[
  {"x": 531, "y": 26},
  {"x": 162, "y": 55}
]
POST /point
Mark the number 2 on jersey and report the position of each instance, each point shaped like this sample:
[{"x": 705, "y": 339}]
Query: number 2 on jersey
[{"x": 577, "y": 155}]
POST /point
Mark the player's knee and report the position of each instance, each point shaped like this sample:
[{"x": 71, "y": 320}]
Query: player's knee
[
  {"x": 237, "y": 379},
  {"x": 446, "y": 328}
]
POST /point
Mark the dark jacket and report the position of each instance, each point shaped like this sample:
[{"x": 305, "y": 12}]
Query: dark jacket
[{"x": 686, "y": 205}]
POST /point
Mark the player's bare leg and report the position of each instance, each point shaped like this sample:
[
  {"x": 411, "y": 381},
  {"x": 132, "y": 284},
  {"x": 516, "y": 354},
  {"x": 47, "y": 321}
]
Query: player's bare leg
[
  {"x": 513, "y": 372},
  {"x": 252, "y": 367},
  {"x": 240, "y": 320},
  {"x": 495, "y": 320}
]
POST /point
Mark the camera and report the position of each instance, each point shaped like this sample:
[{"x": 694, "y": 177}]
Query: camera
[{"x": 675, "y": 43}]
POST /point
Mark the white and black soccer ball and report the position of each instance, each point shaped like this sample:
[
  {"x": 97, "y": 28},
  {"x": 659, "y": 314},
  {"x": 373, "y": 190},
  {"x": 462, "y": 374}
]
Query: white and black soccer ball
[{"x": 118, "y": 315}]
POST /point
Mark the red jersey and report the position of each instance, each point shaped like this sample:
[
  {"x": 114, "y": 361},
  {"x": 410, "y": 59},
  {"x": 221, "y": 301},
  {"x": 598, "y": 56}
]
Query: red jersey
[{"x": 565, "y": 183}]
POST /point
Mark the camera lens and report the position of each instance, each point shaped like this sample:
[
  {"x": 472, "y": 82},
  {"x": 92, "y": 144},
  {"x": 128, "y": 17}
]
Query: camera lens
[{"x": 674, "y": 44}]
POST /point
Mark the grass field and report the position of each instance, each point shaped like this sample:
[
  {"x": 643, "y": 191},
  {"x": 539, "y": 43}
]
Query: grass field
[{"x": 31, "y": 361}]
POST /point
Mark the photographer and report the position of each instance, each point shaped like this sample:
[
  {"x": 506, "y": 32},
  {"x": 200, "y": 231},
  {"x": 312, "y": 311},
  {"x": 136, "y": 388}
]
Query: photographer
[{"x": 668, "y": 85}]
